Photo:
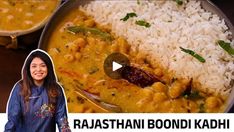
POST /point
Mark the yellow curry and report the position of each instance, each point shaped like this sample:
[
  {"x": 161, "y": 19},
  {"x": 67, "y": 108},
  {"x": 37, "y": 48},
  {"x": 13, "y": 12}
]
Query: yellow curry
[
  {"x": 79, "y": 57},
  {"x": 24, "y": 14}
]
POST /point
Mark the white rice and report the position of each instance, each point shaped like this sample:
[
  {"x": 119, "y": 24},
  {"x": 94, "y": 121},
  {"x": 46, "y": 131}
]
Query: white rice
[{"x": 191, "y": 27}]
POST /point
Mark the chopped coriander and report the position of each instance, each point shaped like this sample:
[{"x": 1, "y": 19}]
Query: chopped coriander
[
  {"x": 142, "y": 23},
  {"x": 192, "y": 53},
  {"x": 132, "y": 14},
  {"x": 226, "y": 46},
  {"x": 193, "y": 95},
  {"x": 179, "y": 2}
]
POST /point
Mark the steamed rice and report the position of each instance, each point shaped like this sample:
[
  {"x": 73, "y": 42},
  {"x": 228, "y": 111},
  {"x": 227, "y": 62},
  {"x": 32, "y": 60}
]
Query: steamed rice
[{"x": 172, "y": 26}]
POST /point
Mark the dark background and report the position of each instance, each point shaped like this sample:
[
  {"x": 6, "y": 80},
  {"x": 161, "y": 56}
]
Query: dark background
[{"x": 11, "y": 61}]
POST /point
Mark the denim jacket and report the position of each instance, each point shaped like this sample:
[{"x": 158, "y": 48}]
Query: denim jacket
[{"x": 40, "y": 117}]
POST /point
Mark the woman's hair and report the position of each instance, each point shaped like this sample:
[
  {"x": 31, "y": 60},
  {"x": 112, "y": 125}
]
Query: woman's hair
[{"x": 50, "y": 81}]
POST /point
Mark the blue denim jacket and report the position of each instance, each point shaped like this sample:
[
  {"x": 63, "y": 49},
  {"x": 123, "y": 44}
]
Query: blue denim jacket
[{"x": 41, "y": 116}]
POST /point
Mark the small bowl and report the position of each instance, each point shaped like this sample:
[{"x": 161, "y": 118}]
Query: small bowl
[{"x": 10, "y": 38}]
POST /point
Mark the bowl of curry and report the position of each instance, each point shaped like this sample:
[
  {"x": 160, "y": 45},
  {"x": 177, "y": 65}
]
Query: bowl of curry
[{"x": 79, "y": 46}]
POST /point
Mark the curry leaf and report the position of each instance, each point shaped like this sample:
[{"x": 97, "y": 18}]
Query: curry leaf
[
  {"x": 192, "y": 53},
  {"x": 143, "y": 23},
  {"x": 226, "y": 46},
  {"x": 85, "y": 30},
  {"x": 76, "y": 29},
  {"x": 132, "y": 14}
]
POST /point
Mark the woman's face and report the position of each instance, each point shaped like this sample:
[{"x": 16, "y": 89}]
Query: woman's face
[{"x": 38, "y": 70}]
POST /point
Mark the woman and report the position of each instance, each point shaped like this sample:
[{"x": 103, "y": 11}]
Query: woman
[{"x": 37, "y": 101}]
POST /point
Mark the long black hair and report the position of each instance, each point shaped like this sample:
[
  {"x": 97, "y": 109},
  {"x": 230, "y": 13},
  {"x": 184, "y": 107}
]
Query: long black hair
[{"x": 50, "y": 81}]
